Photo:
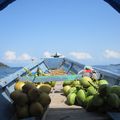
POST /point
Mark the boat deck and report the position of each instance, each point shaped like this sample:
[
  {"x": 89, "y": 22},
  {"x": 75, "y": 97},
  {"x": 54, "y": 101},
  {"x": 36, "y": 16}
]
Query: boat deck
[{"x": 58, "y": 110}]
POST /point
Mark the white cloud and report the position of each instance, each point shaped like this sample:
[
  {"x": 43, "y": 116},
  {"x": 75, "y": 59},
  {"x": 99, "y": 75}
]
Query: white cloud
[
  {"x": 111, "y": 54},
  {"x": 81, "y": 55},
  {"x": 10, "y": 55},
  {"x": 47, "y": 54},
  {"x": 24, "y": 56}
]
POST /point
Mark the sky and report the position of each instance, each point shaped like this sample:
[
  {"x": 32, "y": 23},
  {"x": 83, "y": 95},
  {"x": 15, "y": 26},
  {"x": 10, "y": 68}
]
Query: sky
[{"x": 82, "y": 30}]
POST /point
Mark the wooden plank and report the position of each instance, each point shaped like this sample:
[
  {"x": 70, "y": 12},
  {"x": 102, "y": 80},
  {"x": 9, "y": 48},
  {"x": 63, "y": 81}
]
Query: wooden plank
[{"x": 59, "y": 110}]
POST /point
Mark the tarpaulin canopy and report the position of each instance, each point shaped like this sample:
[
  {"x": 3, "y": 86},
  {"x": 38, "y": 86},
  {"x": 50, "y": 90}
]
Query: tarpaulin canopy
[
  {"x": 114, "y": 3},
  {"x": 5, "y": 3}
]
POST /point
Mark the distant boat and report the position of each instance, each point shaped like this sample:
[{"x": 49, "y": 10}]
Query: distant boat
[{"x": 56, "y": 55}]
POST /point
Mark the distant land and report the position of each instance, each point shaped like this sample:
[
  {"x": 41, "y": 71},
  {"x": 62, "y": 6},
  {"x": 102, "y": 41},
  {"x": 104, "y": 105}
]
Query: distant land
[
  {"x": 3, "y": 65},
  {"x": 115, "y": 64}
]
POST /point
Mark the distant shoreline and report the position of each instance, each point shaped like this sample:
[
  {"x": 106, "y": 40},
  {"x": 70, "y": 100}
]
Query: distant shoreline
[
  {"x": 3, "y": 65},
  {"x": 115, "y": 64}
]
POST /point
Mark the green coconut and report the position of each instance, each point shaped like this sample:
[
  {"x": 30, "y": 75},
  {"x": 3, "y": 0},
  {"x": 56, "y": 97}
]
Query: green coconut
[
  {"x": 76, "y": 83},
  {"x": 44, "y": 99},
  {"x": 89, "y": 104},
  {"x": 71, "y": 99},
  {"x": 113, "y": 100},
  {"x": 72, "y": 90},
  {"x": 22, "y": 112},
  {"x": 102, "y": 82},
  {"x": 66, "y": 89},
  {"x": 38, "y": 85},
  {"x": 19, "y": 85},
  {"x": 33, "y": 94},
  {"x": 91, "y": 91},
  {"x": 28, "y": 86},
  {"x": 81, "y": 97},
  {"x": 45, "y": 88},
  {"x": 89, "y": 98},
  {"x": 115, "y": 89},
  {"x": 104, "y": 90},
  {"x": 67, "y": 82},
  {"x": 15, "y": 94},
  {"x": 21, "y": 99},
  {"x": 97, "y": 100},
  {"x": 85, "y": 81},
  {"x": 36, "y": 109},
  {"x": 52, "y": 83}
]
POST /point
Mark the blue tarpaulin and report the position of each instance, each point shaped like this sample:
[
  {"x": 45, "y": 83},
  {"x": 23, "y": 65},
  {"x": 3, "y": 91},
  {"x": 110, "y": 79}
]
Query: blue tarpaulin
[
  {"x": 114, "y": 3},
  {"x": 5, "y": 3}
]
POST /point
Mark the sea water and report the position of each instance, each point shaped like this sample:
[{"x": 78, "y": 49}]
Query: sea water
[{"x": 5, "y": 71}]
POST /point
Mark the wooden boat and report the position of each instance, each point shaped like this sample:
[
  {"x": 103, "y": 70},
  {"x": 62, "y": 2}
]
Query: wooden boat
[{"x": 46, "y": 64}]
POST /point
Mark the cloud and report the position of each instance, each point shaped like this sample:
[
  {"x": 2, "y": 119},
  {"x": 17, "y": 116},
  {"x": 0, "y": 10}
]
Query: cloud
[
  {"x": 111, "y": 54},
  {"x": 24, "y": 56},
  {"x": 81, "y": 55},
  {"x": 10, "y": 55},
  {"x": 47, "y": 54}
]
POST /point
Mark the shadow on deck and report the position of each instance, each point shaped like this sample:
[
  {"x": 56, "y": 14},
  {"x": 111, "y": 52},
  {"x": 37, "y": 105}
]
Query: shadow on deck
[{"x": 74, "y": 114}]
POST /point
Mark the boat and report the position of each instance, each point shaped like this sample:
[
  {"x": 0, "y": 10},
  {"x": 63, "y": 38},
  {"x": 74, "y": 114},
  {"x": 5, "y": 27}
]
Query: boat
[{"x": 46, "y": 64}]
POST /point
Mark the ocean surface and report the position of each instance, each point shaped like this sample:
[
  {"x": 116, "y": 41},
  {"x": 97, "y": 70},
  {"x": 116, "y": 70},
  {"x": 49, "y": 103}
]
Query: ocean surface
[
  {"x": 5, "y": 71},
  {"x": 113, "y": 68}
]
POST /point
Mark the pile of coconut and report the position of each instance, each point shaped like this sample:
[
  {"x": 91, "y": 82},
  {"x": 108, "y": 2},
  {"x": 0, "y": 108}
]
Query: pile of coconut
[{"x": 30, "y": 99}]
